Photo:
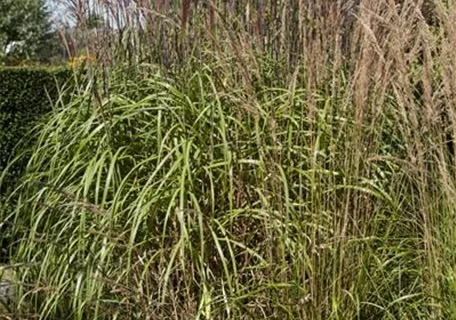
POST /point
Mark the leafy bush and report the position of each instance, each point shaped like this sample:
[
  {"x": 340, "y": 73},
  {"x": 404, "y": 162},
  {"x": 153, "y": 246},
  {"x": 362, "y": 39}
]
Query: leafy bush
[{"x": 25, "y": 95}]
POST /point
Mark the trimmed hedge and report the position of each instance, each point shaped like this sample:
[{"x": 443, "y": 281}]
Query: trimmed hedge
[{"x": 25, "y": 95}]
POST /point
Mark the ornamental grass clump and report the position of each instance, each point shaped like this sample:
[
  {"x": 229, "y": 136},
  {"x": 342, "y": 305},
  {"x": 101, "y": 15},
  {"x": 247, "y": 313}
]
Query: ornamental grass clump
[{"x": 229, "y": 182}]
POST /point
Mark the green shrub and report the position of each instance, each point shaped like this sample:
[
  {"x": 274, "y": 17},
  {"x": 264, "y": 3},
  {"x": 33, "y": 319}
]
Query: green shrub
[{"x": 25, "y": 95}]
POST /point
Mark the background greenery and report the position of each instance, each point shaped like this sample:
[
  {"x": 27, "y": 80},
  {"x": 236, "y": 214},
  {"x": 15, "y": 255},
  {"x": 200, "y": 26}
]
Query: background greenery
[
  {"x": 26, "y": 94},
  {"x": 27, "y": 34}
]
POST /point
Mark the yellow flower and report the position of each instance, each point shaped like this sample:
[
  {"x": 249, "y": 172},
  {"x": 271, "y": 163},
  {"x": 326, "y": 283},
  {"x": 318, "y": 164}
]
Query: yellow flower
[{"x": 81, "y": 60}]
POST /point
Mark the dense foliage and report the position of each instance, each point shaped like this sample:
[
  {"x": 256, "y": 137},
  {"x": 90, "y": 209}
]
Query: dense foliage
[
  {"x": 26, "y": 31},
  {"x": 25, "y": 95}
]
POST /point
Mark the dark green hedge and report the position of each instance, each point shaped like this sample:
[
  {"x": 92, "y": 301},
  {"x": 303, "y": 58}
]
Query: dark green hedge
[{"x": 25, "y": 95}]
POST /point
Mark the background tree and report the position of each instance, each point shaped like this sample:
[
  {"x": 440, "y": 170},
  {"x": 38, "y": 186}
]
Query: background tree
[{"x": 26, "y": 30}]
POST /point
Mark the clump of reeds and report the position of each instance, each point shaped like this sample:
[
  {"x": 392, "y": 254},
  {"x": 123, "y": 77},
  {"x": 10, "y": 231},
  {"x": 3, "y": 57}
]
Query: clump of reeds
[{"x": 281, "y": 160}]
